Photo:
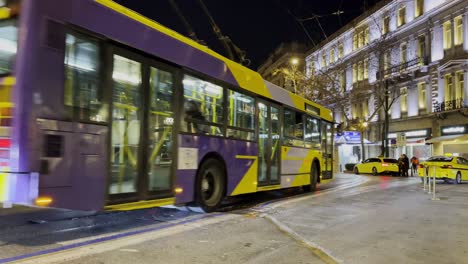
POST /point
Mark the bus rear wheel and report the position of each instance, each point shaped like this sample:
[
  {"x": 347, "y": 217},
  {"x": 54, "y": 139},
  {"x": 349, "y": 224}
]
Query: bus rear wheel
[
  {"x": 210, "y": 185},
  {"x": 313, "y": 180}
]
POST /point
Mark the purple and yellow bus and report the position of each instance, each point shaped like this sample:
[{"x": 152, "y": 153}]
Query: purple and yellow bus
[{"x": 102, "y": 108}]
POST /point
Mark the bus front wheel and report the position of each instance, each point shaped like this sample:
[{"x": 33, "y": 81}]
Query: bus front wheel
[
  {"x": 210, "y": 185},
  {"x": 313, "y": 180}
]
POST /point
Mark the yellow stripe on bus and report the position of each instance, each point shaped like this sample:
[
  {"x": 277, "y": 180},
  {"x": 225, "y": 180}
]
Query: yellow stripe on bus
[
  {"x": 248, "y": 184},
  {"x": 269, "y": 188},
  {"x": 3, "y": 186},
  {"x": 300, "y": 180},
  {"x": 246, "y": 78},
  {"x": 140, "y": 204}
]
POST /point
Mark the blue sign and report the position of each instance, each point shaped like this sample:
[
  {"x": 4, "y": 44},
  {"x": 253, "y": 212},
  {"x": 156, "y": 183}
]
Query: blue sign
[{"x": 349, "y": 137}]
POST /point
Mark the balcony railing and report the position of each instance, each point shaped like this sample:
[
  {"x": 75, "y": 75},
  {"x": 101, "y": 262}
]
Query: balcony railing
[
  {"x": 449, "y": 105},
  {"x": 419, "y": 61}
]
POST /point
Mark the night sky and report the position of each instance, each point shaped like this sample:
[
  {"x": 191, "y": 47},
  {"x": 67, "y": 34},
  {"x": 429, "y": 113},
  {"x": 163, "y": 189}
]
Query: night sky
[{"x": 256, "y": 26}]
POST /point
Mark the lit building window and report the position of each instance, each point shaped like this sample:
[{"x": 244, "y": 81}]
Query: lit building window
[
  {"x": 404, "y": 99},
  {"x": 401, "y": 16},
  {"x": 460, "y": 84},
  {"x": 403, "y": 54},
  {"x": 419, "y": 8},
  {"x": 447, "y": 35},
  {"x": 343, "y": 81},
  {"x": 386, "y": 61},
  {"x": 386, "y": 25},
  {"x": 422, "y": 96},
  {"x": 367, "y": 36},
  {"x": 365, "y": 108},
  {"x": 355, "y": 111},
  {"x": 421, "y": 49},
  {"x": 361, "y": 39},
  {"x": 332, "y": 56},
  {"x": 360, "y": 71},
  {"x": 354, "y": 73},
  {"x": 458, "y": 30},
  {"x": 366, "y": 69},
  {"x": 355, "y": 41},
  {"x": 448, "y": 92},
  {"x": 340, "y": 51},
  {"x": 324, "y": 60}
]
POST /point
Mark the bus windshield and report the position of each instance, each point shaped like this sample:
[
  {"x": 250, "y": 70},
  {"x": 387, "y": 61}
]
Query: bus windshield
[{"x": 8, "y": 45}]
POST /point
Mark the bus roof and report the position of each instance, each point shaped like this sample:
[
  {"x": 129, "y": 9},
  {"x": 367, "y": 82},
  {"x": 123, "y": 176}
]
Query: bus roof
[{"x": 245, "y": 77}]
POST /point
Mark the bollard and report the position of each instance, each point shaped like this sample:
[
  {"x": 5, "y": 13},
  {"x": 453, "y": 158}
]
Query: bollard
[
  {"x": 424, "y": 179},
  {"x": 434, "y": 198},
  {"x": 428, "y": 172}
]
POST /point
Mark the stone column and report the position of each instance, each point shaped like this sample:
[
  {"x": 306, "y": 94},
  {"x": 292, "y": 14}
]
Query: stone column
[
  {"x": 437, "y": 42},
  {"x": 465, "y": 33},
  {"x": 465, "y": 83},
  {"x": 452, "y": 33},
  {"x": 441, "y": 86},
  {"x": 428, "y": 98}
]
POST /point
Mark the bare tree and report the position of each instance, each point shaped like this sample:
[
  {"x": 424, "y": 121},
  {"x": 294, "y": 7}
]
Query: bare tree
[{"x": 377, "y": 57}]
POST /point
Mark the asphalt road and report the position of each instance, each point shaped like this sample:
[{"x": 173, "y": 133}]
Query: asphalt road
[{"x": 355, "y": 219}]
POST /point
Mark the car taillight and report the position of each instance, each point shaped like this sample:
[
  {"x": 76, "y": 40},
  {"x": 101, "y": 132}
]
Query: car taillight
[{"x": 446, "y": 166}]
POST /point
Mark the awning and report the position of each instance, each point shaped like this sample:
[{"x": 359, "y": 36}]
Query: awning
[
  {"x": 350, "y": 140},
  {"x": 454, "y": 138}
]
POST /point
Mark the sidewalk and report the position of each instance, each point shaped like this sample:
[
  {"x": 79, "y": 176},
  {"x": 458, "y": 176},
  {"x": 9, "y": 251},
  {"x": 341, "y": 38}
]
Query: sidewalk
[{"x": 382, "y": 223}]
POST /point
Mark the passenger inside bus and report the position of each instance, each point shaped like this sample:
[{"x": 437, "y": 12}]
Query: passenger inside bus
[{"x": 192, "y": 115}]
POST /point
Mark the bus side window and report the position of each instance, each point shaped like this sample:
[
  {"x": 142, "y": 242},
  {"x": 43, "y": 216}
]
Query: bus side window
[{"x": 83, "y": 90}]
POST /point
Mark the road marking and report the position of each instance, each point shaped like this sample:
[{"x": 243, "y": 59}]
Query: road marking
[
  {"x": 322, "y": 253},
  {"x": 117, "y": 241},
  {"x": 128, "y": 250},
  {"x": 274, "y": 204}
]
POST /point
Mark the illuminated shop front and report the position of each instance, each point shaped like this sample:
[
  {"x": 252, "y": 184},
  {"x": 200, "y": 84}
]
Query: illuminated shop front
[
  {"x": 412, "y": 143},
  {"x": 453, "y": 141},
  {"x": 348, "y": 145}
]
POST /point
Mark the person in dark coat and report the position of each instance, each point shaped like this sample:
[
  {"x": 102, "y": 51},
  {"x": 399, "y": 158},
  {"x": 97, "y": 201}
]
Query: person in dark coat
[
  {"x": 193, "y": 116},
  {"x": 401, "y": 166},
  {"x": 406, "y": 164}
]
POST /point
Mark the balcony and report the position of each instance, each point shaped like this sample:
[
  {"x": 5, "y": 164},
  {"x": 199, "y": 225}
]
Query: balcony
[
  {"x": 449, "y": 105},
  {"x": 414, "y": 63}
]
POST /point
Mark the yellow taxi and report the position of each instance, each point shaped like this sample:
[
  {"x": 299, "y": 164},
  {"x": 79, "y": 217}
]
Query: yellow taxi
[
  {"x": 377, "y": 165},
  {"x": 445, "y": 168}
]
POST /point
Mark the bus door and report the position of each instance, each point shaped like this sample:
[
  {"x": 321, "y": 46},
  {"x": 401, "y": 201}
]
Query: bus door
[
  {"x": 141, "y": 148},
  {"x": 268, "y": 144},
  {"x": 327, "y": 150}
]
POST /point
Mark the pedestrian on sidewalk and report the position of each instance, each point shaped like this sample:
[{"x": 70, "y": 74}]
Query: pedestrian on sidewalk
[
  {"x": 406, "y": 162},
  {"x": 401, "y": 166},
  {"x": 414, "y": 165}
]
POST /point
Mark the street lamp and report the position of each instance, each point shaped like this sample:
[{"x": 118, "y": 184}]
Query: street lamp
[
  {"x": 293, "y": 65},
  {"x": 294, "y": 61}
]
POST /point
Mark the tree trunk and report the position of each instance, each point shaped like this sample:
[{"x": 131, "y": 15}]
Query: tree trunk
[
  {"x": 386, "y": 122},
  {"x": 362, "y": 145}
]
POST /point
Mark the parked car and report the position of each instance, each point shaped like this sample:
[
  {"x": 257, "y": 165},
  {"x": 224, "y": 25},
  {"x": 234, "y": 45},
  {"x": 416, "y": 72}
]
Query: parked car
[
  {"x": 377, "y": 165},
  {"x": 446, "y": 168}
]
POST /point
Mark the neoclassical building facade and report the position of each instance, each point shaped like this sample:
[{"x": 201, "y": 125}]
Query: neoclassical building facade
[{"x": 425, "y": 58}]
